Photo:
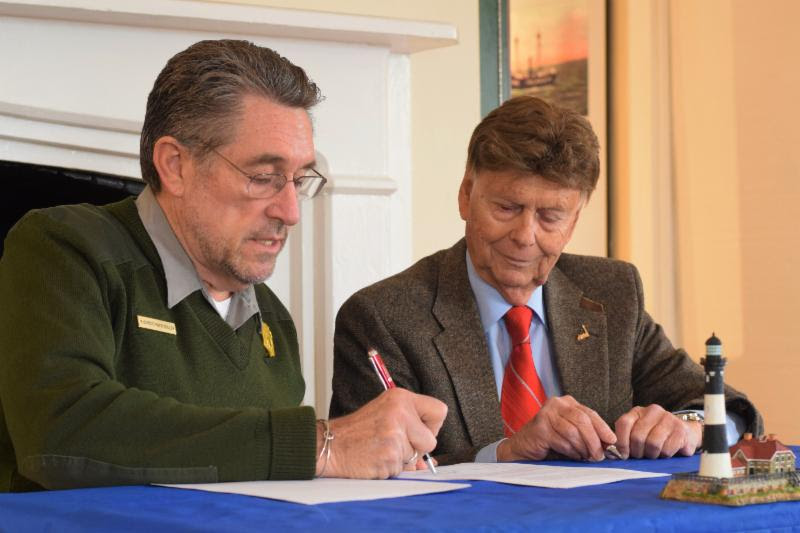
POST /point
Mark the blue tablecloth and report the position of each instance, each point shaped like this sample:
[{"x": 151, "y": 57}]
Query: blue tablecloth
[{"x": 631, "y": 505}]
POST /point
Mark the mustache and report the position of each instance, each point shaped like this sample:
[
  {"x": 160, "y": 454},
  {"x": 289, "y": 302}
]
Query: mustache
[{"x": 274, "y": 229}]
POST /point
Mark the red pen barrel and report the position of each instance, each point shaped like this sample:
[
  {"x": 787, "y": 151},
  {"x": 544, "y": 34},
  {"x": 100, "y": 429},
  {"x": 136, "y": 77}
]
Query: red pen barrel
[{"x": 380, "y": 369}]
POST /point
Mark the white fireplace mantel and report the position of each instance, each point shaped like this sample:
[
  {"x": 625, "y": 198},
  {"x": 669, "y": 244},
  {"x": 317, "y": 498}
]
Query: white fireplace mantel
[
  {"x": 400, "y": 36},
  {"x": 74, "y": 78}
]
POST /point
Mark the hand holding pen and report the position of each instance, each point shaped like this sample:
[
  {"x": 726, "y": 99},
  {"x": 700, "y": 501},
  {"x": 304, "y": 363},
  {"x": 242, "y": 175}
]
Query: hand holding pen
[
  {"x": 374, "y": 441},
  {"x": 388, "y": 383}
]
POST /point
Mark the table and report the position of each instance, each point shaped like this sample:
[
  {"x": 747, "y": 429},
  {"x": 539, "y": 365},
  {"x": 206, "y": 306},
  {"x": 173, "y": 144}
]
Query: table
[{"x": 631, "y": 505}]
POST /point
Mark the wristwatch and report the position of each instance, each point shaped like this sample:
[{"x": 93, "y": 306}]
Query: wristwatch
[{"x": 690, "y": 416}]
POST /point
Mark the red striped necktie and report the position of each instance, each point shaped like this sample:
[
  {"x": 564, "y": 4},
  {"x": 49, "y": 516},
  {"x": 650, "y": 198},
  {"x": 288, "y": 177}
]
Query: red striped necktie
[{"x": 522, "y": 395}]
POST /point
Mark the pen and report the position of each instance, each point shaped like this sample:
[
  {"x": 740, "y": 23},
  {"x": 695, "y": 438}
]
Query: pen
[
  {"x": 612, "y": 452},
  {"x": 388, "y": 383}
]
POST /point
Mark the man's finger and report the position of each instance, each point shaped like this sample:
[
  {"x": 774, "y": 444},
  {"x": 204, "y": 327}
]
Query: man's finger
[
  {"x": 622, "y": 429},
  {"x": 599, "y": 436},
  {"x": 570, "y": 426},
  {"x": 648, "y": 433}
]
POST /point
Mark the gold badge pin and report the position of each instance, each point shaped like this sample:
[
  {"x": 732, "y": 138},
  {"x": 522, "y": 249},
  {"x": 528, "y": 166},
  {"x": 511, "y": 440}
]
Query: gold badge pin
[
  {"x": 583, "y": 335},
  {"x": 266, "y": 337}
]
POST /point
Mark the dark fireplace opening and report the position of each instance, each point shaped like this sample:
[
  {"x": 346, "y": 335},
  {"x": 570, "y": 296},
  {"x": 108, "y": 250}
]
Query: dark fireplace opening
[{"x": 27, "y": 187}]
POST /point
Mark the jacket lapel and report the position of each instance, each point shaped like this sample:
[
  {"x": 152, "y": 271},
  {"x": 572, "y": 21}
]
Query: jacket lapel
[
  {"x": 462, "y": 347},
  {"x": 578, "y": 341}
]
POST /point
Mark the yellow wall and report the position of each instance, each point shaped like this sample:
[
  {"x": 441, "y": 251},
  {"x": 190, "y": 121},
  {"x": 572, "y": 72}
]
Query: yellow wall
[
  {"x": 738, "y": 192},
  {"x": 767, "y": 84},
  {"x": 445, "y": 107},
  {"x": 640, "y": 132},
  {"x": 735, "y": 179}
]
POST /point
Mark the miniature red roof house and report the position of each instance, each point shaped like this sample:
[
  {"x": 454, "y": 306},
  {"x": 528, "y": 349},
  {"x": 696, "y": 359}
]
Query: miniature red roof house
[{"x": 763, "y": 455}]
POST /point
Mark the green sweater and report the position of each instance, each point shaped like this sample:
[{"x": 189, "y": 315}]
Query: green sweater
[{"x": 88, "y": 397}]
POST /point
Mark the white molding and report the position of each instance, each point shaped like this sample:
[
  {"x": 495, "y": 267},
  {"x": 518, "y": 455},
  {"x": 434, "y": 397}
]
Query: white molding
[
  {"x": 401, "y": 36},
  {"x": 52, "y": 154},
  {"x": 86, "y": 142},
  {"x": 360, "y": 185},
  {"x": 54, "y": 116},
  {"x": 93, "y": 139},
  {"x": 399, "y": 161}
]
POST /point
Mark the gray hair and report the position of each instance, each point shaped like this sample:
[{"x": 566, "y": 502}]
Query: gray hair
[{"x": 197, "y": 97}]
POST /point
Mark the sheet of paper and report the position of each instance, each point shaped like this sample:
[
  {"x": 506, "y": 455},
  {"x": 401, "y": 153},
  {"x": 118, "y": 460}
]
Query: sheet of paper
[
  {"x": 328, "y": 490},
  {"x": 557, "y": 477}
]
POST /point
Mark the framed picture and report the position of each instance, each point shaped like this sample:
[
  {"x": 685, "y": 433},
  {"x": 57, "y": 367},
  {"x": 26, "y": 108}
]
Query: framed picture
[{"x": 556, "y": 50}]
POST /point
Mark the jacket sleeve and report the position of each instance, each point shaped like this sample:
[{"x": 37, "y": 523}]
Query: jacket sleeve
[
  {"x": 72, "y": 424},
  {"x": 359, "y": 327},
  {"x": 668, "y": 376},
  {"x": 360, "y": 324}
]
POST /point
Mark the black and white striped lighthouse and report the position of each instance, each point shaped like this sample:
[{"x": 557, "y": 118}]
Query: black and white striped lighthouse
[{"x": 715, "y": 460}]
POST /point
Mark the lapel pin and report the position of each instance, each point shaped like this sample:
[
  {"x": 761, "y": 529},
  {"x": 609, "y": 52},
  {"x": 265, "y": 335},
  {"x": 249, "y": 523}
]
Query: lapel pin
[
  {"x": 583, "y": 335},
  {"x": 266, "y": 337}
]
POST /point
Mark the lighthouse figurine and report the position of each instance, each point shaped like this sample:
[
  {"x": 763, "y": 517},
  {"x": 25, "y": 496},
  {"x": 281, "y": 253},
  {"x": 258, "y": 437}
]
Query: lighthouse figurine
[{"x": 715, "y": 460}]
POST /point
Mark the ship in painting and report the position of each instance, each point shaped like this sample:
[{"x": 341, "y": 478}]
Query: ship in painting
[{"x": 534, "y": 75}]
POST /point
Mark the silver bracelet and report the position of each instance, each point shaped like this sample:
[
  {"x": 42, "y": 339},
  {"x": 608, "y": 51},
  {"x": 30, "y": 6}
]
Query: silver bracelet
[{"x": 327, "y": 437}]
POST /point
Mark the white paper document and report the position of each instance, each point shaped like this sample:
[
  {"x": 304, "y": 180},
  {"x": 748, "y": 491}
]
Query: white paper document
[
  {"x": 557, "y": 477},
  {"x": 327, "y": 490}
]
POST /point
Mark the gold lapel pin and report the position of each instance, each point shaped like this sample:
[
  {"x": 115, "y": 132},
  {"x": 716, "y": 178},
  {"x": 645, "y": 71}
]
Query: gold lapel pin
[
  {"x": 266, "y": 337},
  {"x": 583, "y": 335}
]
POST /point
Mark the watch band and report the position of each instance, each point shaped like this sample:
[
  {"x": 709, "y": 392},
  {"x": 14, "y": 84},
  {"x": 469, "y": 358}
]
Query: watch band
[{"x": 690, "y": 416}]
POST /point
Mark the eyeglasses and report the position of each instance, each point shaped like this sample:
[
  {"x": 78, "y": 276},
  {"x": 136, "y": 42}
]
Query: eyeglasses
[{"x": 268, "y": 184}]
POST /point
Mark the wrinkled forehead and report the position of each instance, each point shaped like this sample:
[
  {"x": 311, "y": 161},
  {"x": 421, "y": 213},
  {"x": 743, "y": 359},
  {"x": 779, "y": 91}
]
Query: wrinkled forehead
[
  {"x": 519, "y": 178},
  {"x": 274, "y": 133}
]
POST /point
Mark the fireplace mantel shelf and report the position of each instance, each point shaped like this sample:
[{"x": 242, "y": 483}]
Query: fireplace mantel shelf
[{"x": 400, "y": 36}]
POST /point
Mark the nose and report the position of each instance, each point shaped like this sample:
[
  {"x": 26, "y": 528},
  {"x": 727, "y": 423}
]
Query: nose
[
  {"x": 524, "y": 231},
  {"x": 284, "y": 205}
]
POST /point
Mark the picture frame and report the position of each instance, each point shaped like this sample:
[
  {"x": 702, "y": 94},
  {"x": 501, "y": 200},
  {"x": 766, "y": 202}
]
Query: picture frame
[{"x": 577, "y": 81}]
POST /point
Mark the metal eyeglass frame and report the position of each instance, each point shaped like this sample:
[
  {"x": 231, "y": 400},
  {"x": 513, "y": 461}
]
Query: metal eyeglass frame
[{"x": 305, "y": 186}]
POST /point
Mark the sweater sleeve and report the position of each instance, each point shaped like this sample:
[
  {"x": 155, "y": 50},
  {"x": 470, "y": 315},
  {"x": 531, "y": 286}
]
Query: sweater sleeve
[{"x": 72, "y": 423}]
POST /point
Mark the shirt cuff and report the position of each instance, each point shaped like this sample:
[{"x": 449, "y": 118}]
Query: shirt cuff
[
  {"x": 488, "y": 454},
  {"x": 734, "y": 428}
]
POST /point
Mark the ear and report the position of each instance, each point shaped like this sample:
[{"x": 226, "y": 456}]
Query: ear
[
  {"x": 464, "y": 193},
  {"x": 171, "y": 160}
]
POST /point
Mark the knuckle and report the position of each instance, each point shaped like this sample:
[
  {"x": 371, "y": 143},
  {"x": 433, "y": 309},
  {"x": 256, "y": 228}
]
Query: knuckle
[{"x": 583, "y": 418}]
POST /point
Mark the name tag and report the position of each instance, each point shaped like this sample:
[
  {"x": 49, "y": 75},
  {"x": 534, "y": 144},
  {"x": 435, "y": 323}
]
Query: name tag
[{"x": 145, "y": 322}]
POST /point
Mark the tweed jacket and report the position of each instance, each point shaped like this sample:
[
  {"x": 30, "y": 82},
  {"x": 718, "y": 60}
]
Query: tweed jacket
[{"x": 425, "y": 323}]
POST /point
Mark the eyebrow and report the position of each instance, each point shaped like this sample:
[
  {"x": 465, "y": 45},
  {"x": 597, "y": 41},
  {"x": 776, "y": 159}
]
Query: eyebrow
[
  {"x": 272, "y": 159},
  {"x": 559, "y": 208}
]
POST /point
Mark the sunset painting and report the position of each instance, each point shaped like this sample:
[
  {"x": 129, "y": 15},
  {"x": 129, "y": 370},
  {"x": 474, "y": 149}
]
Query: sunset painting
[{"x": 549, "y": 51}]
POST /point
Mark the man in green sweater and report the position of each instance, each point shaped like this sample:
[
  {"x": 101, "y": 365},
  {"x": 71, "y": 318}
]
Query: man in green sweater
[{"x": 137, "y": 344}]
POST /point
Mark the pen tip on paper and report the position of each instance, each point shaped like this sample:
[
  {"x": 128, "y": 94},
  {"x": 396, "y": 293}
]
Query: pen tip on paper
[{"x": 612, "y": 452}]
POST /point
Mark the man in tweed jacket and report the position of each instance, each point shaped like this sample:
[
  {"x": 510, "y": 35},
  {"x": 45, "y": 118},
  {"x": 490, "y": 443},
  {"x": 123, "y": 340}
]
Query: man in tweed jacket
[{"x": 611, "y": 375}]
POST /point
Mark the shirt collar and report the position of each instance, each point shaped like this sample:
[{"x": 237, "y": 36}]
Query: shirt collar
[
  {"x": 492, "y": 306},
  {"x": 181, "y": 276}
]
